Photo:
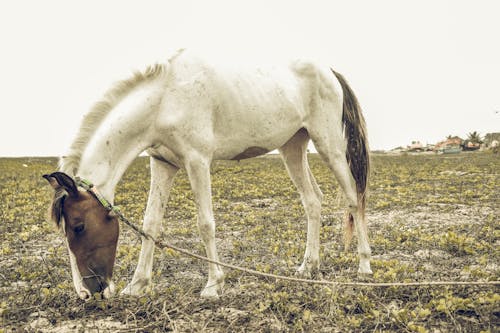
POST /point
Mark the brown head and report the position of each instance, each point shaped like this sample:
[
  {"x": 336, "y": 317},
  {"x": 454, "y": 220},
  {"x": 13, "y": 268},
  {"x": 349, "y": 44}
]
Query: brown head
[{"x": 91, "y": 232}]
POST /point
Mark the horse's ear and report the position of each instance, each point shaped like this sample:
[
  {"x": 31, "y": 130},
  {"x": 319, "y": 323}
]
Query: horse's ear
[{"x": 62, "y": 182}]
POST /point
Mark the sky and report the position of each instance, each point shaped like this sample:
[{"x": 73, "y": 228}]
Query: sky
[{"x": 422, "y": 70}]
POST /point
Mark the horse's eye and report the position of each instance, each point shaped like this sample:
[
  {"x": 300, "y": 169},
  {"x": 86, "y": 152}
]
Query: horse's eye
[{"x": 79, "y": 229}]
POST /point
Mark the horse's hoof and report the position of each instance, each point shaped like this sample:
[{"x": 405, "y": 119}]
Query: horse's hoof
[
  {"x": 213, "y": 288},
  {"x": 364, "y": 268},
  {"x": 210, "y": 293},
  {"x": 365, "y": 273},
  {"x": 136, "y": 288},
  {"x": 308, "y": 272},
  {"x": 303, "y": 273}
]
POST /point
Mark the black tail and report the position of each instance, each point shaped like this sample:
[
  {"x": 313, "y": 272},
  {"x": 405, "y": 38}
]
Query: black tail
[{"x": 358, "y": 153}]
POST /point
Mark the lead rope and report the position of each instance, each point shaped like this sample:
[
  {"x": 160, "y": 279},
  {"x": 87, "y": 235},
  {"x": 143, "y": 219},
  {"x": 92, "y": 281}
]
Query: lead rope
[{"x": 88, "y": 186}]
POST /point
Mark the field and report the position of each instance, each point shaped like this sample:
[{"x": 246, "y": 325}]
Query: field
[{"x": 431, "y": 218}]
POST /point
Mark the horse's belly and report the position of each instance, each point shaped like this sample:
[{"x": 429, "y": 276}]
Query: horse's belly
[
  {"x": 256, "y": 116},
  {"x": 249, "y": 137}
]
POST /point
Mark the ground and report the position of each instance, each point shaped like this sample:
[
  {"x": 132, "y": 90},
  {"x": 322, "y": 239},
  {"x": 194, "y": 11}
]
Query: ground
[{"x": 431, "y": 218}]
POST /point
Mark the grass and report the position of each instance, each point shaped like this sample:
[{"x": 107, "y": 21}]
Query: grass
[{"x": 430, "y": 218}]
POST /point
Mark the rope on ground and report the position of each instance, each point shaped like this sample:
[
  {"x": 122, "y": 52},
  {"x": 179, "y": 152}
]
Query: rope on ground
[
  {"x": 324, "y": 282},
  {"x": 163, "y": 245}
]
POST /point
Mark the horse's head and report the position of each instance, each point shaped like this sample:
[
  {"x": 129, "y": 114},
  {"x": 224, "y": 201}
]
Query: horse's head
[{"x": 91, "y": 232}]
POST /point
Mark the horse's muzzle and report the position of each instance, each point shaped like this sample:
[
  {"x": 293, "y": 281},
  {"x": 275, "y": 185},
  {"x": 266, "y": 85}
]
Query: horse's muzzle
[
  {"x": 107, "y": 292},
  {"x": 95, "y": 284}
]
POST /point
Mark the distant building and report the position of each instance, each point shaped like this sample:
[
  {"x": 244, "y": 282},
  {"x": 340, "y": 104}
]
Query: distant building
[
  {"x": 416, "y": 146},
  {"x": 452, "y": 142},
  {"x": 490, "y": 138},
  {"x": 397, "y": 150},
  {"x": 430, "y": 147},
  {"x": 469, "y": 145}
]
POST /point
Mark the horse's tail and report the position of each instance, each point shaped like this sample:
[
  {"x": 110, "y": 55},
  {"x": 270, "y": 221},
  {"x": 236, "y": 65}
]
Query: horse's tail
[{"x": 357, "y": 154}]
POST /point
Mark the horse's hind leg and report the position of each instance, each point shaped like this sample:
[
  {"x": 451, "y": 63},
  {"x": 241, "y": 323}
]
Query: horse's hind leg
[
  {"x": 162, "y": 177},
  {"x": 198, "y": 170},
  {"x": 331, "y": 146},
  {"x": 294, "y": 154}
]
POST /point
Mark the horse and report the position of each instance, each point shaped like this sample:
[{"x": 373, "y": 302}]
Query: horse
[{"x": 186, "y": 113}]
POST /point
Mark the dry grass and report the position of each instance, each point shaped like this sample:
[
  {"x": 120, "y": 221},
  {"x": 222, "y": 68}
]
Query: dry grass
[{"x": 430, "y": 218}]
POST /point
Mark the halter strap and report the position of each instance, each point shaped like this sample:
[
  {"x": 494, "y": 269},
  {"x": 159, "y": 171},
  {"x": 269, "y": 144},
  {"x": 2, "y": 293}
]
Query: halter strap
[{"x": 89, "y": 187}]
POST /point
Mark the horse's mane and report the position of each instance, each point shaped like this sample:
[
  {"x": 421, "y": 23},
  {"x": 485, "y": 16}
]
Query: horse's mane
[{"x": 94, "y": 118}]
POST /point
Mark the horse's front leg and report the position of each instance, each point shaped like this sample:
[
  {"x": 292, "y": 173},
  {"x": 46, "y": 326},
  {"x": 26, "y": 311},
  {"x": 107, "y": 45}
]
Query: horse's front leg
[
  {"x": 162, "y": 177},
  {"x": 199, "y": 176}
]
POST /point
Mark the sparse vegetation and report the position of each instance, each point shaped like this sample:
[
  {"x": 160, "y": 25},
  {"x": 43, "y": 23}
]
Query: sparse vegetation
[{"x": 430, "y": 218}]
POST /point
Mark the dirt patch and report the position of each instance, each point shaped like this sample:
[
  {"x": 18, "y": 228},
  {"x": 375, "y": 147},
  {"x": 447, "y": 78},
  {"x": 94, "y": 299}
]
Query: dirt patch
[{"x": 42, "y": 324}]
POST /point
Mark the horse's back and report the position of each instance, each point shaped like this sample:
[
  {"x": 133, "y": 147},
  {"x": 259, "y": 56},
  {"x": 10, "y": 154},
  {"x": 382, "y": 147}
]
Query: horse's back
[{"x": 242, "y": 107}]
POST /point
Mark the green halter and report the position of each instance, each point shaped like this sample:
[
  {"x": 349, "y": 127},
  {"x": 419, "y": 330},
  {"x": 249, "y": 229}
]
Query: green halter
[{"x": 89, "y": 187}]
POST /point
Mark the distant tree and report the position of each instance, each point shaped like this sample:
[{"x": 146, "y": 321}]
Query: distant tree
[
  {"x": 474, "y": 137},
  {"x": 449, "y": 137}
]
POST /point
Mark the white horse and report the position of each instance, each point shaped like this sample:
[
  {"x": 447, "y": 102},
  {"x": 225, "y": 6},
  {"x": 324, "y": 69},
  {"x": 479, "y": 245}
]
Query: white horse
[{"x": 185, "y": 114}]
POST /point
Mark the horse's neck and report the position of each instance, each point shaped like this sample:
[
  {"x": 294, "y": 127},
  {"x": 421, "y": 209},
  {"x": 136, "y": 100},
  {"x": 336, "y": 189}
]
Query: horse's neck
[
  {"x": 105, "y": 167},
  {"x": 124, "y": 134}
]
